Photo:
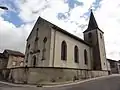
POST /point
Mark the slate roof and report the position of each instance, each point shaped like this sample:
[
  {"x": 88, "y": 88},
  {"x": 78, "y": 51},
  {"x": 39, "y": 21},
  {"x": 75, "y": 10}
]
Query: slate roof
[
  {"x": 112, "y": 60},
  {"x": 92, "y": 23},
  {"x": 70, "y": 35},
  {"x": 61, "y": 30},
  {"x": 2, "y": 55},
  {"x": 15, "y": 53}
]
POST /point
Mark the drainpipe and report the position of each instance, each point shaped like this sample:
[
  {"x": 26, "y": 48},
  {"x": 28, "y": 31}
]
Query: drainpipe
[{"x": 54, "y": 48}]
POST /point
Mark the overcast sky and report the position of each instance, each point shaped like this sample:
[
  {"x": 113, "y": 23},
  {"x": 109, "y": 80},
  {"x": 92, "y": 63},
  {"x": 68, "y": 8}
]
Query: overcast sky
[{"x": 71, "y": 15}]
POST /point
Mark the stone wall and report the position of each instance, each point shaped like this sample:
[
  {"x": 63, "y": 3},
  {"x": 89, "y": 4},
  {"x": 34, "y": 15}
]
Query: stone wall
[
  {"x": 4, "y": 74},
  {"x": 18, "y": 75},
  {"x": 51, "y": 75}
]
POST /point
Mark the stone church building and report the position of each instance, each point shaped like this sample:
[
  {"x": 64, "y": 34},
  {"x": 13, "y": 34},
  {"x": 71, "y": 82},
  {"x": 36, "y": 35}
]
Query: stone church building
[
  {"x": 55, "y": 55},
  {"x": 50, "y": 46}
]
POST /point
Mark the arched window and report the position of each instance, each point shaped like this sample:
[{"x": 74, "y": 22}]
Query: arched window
[
  {"x": 63, "y": 51},
  {"x": 85, "y": 57},
  {"x": 36, "y": 41},
  {"x": 34, "y": 61},
  {"x": 76, "y": 54}
]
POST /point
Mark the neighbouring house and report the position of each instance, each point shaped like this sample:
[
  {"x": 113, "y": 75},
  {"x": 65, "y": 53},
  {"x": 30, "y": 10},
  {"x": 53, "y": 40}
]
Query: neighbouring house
[
  {"x": 108, "y": 66},
  {"x": 119, "y": 66},
  {"x": 11, "y": 59},
  {"x": 114, "y": 66},
  {"x": 3, "y": 61}
]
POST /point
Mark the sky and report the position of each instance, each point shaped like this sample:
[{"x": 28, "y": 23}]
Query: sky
[{"x": 71, "y": 15}]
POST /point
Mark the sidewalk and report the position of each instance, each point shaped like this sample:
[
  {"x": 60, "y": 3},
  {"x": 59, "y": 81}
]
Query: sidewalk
[{"x": 17, "y": 85}]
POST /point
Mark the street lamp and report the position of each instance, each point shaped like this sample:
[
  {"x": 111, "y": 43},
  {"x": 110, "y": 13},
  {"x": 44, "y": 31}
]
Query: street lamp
[{"x": 3, "y": 7}]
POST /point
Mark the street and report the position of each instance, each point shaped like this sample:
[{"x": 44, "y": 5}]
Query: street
[
  {"x": 102, "y": 83},
  {"x": 105, "y": 83}
]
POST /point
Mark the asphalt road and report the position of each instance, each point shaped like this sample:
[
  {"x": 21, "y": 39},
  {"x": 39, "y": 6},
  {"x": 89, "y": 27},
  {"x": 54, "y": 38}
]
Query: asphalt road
[{"x": 104, "y": 83}]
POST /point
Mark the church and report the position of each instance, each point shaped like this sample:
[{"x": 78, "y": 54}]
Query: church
[
  {"x": 55, "y": 55},
  {"x": 50, "y": 46}
]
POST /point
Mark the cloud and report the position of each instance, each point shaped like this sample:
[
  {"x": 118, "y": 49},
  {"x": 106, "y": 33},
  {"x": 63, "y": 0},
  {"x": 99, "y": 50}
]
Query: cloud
[{"x": 12, "y": 37}]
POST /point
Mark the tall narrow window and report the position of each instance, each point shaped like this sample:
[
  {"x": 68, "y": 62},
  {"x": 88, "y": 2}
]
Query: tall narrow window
[
  {"x": 44, "y": 48},
  {"x": 36, "y": 34},
  {"x": 90, "y": 36},
  {"x": 27, "y": 57},
  {"x": 85, "y": 57},
  {"x": 36, "y": 41},
  {"x": 34, "y": 61},
  {"x": 28, "y": 46},
  {"x": 76, "y": 54},
  {"x": 63, "y": 51}
]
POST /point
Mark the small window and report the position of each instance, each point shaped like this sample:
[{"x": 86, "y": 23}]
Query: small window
[
  {"x": 76, "y": 54},
  {"x": 90, "y": 35},
  {"x": 37, "y": 29},
  {"x": 100, "y": 35},
  {"x": 63, "y": 51},
  {"x": 28, "y": 46},
  {"x": 85, "y": 57},
  {"x": 45, "y": 40}
]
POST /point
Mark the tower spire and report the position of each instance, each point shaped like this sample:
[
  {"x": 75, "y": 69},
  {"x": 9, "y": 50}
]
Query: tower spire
[{"x": 92, "y": 22}]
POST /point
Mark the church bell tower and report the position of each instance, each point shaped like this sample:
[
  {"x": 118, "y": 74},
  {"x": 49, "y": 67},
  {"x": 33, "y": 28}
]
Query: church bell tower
[{"x": 95, "y": 37}]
